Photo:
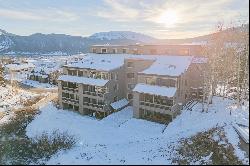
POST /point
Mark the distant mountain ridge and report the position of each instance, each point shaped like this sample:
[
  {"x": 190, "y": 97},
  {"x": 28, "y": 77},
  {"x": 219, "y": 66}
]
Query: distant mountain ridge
[
  {"x": 115, "y": 35},
  {"x": 61, "y": 44}
]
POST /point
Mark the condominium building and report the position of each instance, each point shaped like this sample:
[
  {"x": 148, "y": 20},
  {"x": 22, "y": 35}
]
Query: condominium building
[
  {"x": 157, "y": 86},
  {"x": 91, "y": 85},
  {"x": 150, "y": 49},
  {"x": 164, "y": 87}
]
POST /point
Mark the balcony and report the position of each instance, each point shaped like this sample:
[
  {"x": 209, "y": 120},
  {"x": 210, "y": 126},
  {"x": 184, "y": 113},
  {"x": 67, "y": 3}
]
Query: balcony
[
  {"x": 96, "y": 107},
  {"x": 93, "y": 93},
  {"x": 70, "y": 89},
  {"x": 75, "y": 101},
  {"x": 154, "y": 105}
]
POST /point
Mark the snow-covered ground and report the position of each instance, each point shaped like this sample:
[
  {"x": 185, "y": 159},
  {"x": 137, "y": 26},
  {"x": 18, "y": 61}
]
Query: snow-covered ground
[
  {"x": 121, "y": 139},
  {"x": 10, "y": 99}
]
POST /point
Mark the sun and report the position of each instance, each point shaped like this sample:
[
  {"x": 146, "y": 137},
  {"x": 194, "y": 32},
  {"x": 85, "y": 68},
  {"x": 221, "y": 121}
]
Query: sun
[{"x": 168, "y": 18}]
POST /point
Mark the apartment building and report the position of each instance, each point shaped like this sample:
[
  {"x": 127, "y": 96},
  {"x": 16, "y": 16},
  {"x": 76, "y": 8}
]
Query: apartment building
[
  {"x": 91, "y": 85},
  {"x": 164, "y": 87},
  {"x": 150, "y": 49},
  {"x": 157, "y": 86}
]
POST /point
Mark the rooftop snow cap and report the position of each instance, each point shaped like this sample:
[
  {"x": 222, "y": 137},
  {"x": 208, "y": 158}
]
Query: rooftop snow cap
[
  {"x": 99, "y": 62},
  {"x": 169, "y": 66}
]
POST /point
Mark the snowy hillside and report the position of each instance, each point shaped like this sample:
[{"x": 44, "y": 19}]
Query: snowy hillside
[
  {"x": 115, "y": 35},
  {"x": 5, "y": 41},
  {"x": 121, "y": 139}
]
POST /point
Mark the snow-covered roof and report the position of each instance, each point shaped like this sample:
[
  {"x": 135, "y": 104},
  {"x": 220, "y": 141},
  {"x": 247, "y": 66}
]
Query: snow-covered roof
[
  {"x": 169, "y": 66},
  {"x": 20, "y": 66},
  {"x": 83, "y": 80},
  {"x": 155, "y": 90},
  {"x": 119, "y": 104},
  {"x": 101, "y": 63}
]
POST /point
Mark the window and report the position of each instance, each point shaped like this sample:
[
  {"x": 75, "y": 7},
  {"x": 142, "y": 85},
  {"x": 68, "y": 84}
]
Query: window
[
  {"x": 104, "y": 76},
  {"x": 64, "y": 84},
  {"x": 168, "y": 82},
  {"x": 184, "y": 52},
  {"x": 104, "y": 50},
  {"x": 148, "y": 98},
  {"x": 124, "y": 50},
  {"x": 94, "y": 50},
  {"x": 130, "y": 96},
  {"x": 150, "y": 80},
  {"x": 114, "y": 51},
  {"x": 153, "y": 51},
  {"x": 92, "y": 88},
  {"x": 130, "y": 75},
  {"x": 167, "y": 51},
  {"x": 72, "y": 72},
  {"x": 100, "y": 102},
  {"x": 131, "y": 86},
  {"x": 76, "y": 108},
  {"x": 115, "y": 87},
  {"x": 72, "y": 85},
  {"x": 112, "y": 76},
  {"x": 98, "y": 75},
  {"x": 186, "y": 82},
  {"x": 94, "y": 101},
  {"x": 80, "y": 73},
  {"x": 71, "y": 96},
  {"x": 130, "y": 64},
  {"x": 65, "y": 95},
  {"x": 116, "y": 76},
  {"x": 115, "y": 98}
]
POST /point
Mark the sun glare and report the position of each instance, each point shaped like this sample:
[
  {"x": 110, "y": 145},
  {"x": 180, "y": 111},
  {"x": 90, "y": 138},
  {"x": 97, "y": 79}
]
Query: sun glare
[{"x": 168, "y": 18}]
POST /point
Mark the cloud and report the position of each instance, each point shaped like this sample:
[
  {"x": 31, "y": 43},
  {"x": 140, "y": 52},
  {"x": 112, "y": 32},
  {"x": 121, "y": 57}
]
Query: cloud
[
  {"x": 198, "y": 15},
  {"x": 117, "y": 10},
  {"x": 48, "y": 14}
]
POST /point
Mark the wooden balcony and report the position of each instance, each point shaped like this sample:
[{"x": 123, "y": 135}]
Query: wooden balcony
[
  {"x": 93, "y": 93},
  {"x": 74, "y": 101},
  {"x": 70, "y": 89},
  {"x": 164, "y": 109}
]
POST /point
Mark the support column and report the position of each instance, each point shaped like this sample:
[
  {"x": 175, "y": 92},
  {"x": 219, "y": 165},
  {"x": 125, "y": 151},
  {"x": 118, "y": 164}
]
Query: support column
[
  {"x": 136, "y": 100},
  {"x": 60, "y": 93},
  {"x": 80, "y": 94}
]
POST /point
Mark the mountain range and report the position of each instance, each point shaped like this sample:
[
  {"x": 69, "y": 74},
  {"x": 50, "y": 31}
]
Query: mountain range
[{"x": 61, "y": 44}]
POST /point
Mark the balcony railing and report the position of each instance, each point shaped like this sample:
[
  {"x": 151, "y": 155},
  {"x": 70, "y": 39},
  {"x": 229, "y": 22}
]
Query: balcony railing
[
  {"x": 160, "y": 106},
  {"x": 70, "y": 89},
  {"x": 71, "y": 100},
  {"x": 93, "y": 105},
  {"x": 93, "y": 93}
]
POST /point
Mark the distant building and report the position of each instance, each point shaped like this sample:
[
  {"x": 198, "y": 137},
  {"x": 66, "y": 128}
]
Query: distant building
[
  {"x": 157, "y": 86},
  {"x": 150, "y": 49}
]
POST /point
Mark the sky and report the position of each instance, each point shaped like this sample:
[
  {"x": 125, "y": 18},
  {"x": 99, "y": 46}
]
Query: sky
[{"x": 163, "y": 19}]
